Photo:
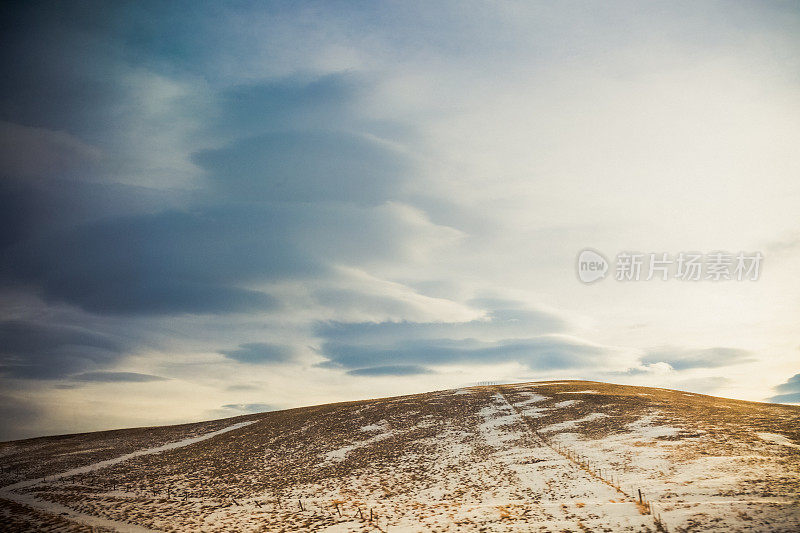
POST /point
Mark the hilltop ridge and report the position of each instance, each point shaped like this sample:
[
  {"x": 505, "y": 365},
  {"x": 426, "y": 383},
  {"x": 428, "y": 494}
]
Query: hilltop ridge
[{"x": 540, "y": 456}]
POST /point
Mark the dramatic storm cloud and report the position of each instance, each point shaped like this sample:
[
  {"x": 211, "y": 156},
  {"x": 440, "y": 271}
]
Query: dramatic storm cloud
[
  {"x": 214, "y": 209},
  {"x": 28, "y": 349}
]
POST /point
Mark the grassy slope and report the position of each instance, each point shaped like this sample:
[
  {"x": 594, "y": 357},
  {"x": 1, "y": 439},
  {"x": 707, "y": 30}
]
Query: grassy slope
[{"x": 488, "y": 457}]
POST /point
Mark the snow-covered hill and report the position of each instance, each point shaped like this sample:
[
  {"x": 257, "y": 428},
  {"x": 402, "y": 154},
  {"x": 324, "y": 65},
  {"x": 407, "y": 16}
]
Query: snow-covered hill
[{"x": 545, "y": 456}]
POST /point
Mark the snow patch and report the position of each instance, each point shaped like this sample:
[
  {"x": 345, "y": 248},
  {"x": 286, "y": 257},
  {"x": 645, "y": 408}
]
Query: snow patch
[
  {"x": 566, "y": 403},
  {"x": 109, "y": 462},
  {"x": 339, "y": 455},
  {"x": 532, "y": 397},
  {"x": 381, "y": 426},
  {"x": 534, "y": 412},
  {"x": 644, "y": 428},
  {"x": 775, "y": 438}
]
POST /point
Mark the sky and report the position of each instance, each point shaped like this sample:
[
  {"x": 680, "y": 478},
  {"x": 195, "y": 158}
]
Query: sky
[{"x": 215, "y": 208}]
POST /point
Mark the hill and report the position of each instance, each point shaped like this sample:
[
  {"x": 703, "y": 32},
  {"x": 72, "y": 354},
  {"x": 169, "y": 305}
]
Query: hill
[{"x": 543, "y": 456}]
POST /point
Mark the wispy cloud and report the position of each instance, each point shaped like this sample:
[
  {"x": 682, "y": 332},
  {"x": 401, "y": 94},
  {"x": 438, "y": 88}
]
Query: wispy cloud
[
  {"x": 369, "y": 348},
  {"x": 687, "y": 358},
  {"x": 259, "y": 352},
  {"x": 116, "y": 377},
  {"x": 248, "y": 407},
  {"x": 390, "y": 370}
]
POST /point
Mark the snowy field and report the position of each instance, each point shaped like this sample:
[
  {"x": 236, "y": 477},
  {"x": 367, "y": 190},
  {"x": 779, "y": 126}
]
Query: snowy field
[{"x": 549, "y": 456}]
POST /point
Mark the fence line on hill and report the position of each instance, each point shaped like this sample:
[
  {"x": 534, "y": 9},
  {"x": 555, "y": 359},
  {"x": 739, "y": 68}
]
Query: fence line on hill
[
  {"x": 330, "y": 506},
  {"x": 643, "y": 504}
]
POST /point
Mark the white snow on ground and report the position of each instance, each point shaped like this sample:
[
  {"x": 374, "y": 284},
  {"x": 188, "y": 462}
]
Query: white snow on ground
[
  {"x": 572, "y": 423},
  {"x": 633, "y": 453},
  {"x": 382, "y": 426},
  {"x": 580, "y": 392},
  {"x": 499, "y": 475},
  {"x": 121, "y": 458},
  {"x": 462, "y": 391},
  {"x": 496, "y": 416},
  {"x": 531, "y": 410},
  {"x": 680, "y": 490},
  {"x": 777, "y": 439},
  {"x": 566, "y": 403},
  {"x": 535, "y": 412},
  {"x": 79, "y": 452},
  {"x": 532, "y": 397},
  {"x": 644, "y": 428},
  {"x": 91, "y": 520},
  {"x": 340, "y": 454},
  {"x": 537, "y": 471},
  {"x": 83, "y": 518}
]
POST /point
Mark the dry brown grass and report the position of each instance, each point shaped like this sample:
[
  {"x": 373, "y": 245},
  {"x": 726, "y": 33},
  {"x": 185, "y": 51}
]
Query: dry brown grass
[{"x": 257, "y": 476}]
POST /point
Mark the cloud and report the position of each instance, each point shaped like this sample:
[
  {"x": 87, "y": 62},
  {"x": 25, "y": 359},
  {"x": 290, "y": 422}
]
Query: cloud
[
  {"x": 507, "y": 321},
  {"x": 355, "y": 296},
  {"x": 792, "y": 384},
  {"x": 654, "y": 369},
  {"x": 289, "y": 104},
  {"x": 201, "y": 261},
  {"x": 540, "y": 353},
  {"x": 45, "y": 351},
  {"x": 248, "y": 407},
  {"x": 259, "y": 352},
  {"x": 116, "y": 377},
  {"x": 239, "y": 387},
  {"x": 706, "y": 385},
  {"x": 168, "y": 262},
  {"x": 43, "y": 208},
  {"x": 685, "y": 358},
  {"x": 509, "y": 332},
  {"x": 380, "y": 169},
  {"x": 789, "y": 391},
  {"x": 39, "y": 152},
  {"x": 307, "y": 166},
  {"x": 284, "y": 204},
  {"x": 58, "y": 86},
  {"x": 790, "y": 397},
  {"x": 391, "y": 370}
]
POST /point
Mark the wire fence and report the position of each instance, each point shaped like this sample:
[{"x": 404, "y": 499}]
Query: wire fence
[{"x": 607, "y": 476}]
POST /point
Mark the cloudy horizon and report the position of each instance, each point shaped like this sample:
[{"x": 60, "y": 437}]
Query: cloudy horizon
[{"x": 210, "y": 209}]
